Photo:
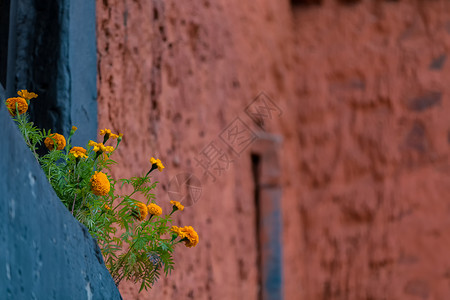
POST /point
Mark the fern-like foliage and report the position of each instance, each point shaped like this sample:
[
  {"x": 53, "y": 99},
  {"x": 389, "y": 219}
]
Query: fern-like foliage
[{"x": 135, "y": 244}]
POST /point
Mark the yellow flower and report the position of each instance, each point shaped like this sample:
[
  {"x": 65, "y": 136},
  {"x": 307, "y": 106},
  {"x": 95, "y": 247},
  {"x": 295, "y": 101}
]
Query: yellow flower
[
  {"x": 158, "y": 163},
  {"x": 177, "y": 205},
  {"x": 78, "y": 152},
  {"x": 187, "y": 234},
  {"x": 55, "y": 139},
  {"x": 100, "y": 146},
  {"x": 104, "y": 148},
  {"x": 22, "y": 105},
  {"x": 154, "y": 209},
  {"x": 107, "y": 133},
  {"x": 95, "y": 145},
  {"x": 142, "y": 211},
  {"x": 106, "y": 206},
  {"x": 74, "y": 128},
  {"x": 100, "y": 184},
  {"x": 177, "y": 230},
  {"x": 27, "y": 95}
]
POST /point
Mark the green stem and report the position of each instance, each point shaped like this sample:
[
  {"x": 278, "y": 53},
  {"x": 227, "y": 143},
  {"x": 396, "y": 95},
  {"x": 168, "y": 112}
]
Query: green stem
[{"x": 73, "y": 205}]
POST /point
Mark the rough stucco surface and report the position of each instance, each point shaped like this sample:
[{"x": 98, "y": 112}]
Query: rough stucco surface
[
  {"x": 172, "y": 76},
  {"x": 374, "y": 163},
  {"x": 364, "y": 93}
]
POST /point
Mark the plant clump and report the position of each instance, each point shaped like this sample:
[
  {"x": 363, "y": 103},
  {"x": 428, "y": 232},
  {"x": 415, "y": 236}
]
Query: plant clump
[{"x": 135, "y": 238}]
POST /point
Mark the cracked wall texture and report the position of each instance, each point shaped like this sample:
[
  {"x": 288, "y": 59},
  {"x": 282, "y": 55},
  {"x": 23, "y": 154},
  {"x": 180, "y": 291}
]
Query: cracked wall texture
[{"x": 365, "y": 170}]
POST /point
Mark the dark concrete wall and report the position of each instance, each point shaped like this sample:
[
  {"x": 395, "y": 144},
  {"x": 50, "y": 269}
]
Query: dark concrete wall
[
  {"x": 44, "y": 252},
  {"x": 55, "y": 56}
]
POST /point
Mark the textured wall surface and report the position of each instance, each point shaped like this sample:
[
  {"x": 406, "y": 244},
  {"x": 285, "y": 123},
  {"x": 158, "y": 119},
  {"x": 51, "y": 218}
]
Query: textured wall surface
[
  {"x": 54, "y": 55},
  {"x": 363, "y": 90},
  {"x": 374, "y": 165},
  {"x": 44, "y": 252},
  {"x": 172, "y": 76}
]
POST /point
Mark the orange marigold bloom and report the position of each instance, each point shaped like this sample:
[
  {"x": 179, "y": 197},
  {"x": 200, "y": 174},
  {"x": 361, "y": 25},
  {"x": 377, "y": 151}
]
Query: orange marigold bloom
[
  {"x": 100, "y": 184},
  {"x": 142, "y": 211},
  {"x": 105, "y": 131},
  {"x": 154, "y": 209},
  {"x": 108, "y": 133},
  {"x": 78, "y": 152},
  {"x": 26, "y": 94},
  {"x": 177, "y": 205},
  {"x": 191, "y": 236},
  {"x": 177, "y": 230},
  {"x": 100, "y": 147},
  {"x": 187, "y": 234},
  {"x": 22, "y": 105},
  {"x": 158, "y": 163},
  {"x": 55, "y": 139}
]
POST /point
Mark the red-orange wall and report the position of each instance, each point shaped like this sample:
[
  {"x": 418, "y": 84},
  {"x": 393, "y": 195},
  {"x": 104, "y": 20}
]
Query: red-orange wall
[{"x": 364, "y": 93}]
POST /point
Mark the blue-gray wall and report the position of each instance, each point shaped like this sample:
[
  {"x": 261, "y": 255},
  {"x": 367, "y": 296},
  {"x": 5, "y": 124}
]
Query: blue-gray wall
[{"x": 54, "y": 54}]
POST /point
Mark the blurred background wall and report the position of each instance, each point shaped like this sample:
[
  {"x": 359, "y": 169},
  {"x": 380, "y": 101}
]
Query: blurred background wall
[{"x": 359, "y": 139}]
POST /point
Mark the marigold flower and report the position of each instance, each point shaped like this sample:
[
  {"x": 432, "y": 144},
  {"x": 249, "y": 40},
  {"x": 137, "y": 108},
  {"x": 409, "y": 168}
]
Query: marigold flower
[
  {"x": 106, "y": 206},
  {"x": 78, "y": 152},
  {"x": 100, "y": 147},
  {"x": 27, "y": 95},
  {"x": 177, "y": 205},
  {"x": 177, "y": 230},
  {"x": 22, "y": 105},
  {"x": 74, "y": 128},
  {"x": 55, "y": 139},
  {"x": 187, "y": 234},
  {"x": 105, "y": 131},
  {"x": 154, "y": 209},
  {"x": 142, "y": 211},
  {"x": 158, "y": 163},
  {"x": 191, "y": 235},
  {"x": 100, "y": 184},
  {"x": 108, "y": 134}
]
